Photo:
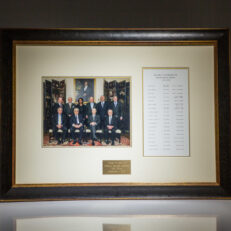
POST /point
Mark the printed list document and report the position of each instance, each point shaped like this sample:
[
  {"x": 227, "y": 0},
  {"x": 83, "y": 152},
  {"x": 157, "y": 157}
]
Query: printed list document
[{"x": 166, "y": 111}]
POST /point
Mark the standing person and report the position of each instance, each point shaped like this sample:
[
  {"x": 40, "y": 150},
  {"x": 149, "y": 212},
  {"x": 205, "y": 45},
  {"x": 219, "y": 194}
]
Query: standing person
[
  {"x": 94, "y": 121},
  {"x": 57, "y": 105},
  {"x": 69, "y": 107},
  {"x": 76, "y": 122},
  {"x": 81, "y": 107},
  {"x": 102, "y": 108},
  {"x": 116, "y": 107},
  {"x": 59, "y": 123},
  {"x": 90, "y": 106},
  {"x": 110, "y": 127}
]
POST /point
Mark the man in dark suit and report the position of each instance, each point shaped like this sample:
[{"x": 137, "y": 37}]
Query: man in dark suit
[
  {"x": 57, "y": 105},
  {"x": 117, "y": 110},
  {"x": 69, "y": 107},
  {"x": 90, "y": 106},
  {"x": 94, "y": 122},
  {"x": 59, "y": 125},
  {"x": 102, "y": 108},
  {"x": 76, "y": 123},
  {"x": 110, "y": 127}
]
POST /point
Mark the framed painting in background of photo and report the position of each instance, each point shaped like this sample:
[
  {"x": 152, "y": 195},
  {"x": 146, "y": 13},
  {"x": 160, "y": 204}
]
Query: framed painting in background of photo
[
  {"x": 84, "y": 88},
  {"x": 165, "y": 131}
]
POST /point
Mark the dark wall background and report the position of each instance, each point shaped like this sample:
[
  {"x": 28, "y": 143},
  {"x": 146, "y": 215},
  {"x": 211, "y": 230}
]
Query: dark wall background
[{"x": 115, "y": 13}]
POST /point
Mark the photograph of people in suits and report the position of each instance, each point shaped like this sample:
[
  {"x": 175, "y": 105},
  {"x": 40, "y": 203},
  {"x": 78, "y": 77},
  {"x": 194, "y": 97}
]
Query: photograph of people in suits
[{"x": 102, "y": 120}]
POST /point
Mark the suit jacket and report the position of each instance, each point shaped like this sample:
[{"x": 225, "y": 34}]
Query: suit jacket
[
  {"x": 96, "y": 119},
  {"x": 102, "y": 111},
  {"x": 63, "y": 120},
  {"x": 88, "y": 109},
  {"x": 117, "y": 111},
  {"x": 68, "y": 109},
  {"x": 74, "y": 121},
  {"x": 56, "y": 106},
  {"x": 113, "y": 122}
]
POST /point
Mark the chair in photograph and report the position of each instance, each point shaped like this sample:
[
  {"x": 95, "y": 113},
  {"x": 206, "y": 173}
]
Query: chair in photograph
[
  {"x": 99, "y": 134},
  {"x": 51, "y": 136},
  {"x": 118, "y": 134},
  {"x": 60, "y": 132},
  {"x": 77, "y": 131},
  {"x": 86, "y": 134},
  {"x": 69, "y": 135}
]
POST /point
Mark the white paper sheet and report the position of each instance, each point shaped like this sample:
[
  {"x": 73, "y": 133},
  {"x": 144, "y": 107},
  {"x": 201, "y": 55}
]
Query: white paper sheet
[{"x": 166, "y": 117}]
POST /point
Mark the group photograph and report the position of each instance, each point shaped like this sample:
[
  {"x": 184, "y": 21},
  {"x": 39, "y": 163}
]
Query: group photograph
[{"x": 86, "y": 111}]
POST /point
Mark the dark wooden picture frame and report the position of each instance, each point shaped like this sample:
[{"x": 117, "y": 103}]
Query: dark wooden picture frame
[{"x": 11, "y": 192}]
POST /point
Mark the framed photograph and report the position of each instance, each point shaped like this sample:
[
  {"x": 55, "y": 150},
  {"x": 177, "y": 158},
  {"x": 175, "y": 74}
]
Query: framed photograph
[
  {"x": 74, "y": 96},
  {"x": 114, "y": 114}
]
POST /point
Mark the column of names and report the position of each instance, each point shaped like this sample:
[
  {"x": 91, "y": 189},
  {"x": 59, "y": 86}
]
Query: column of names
[{"x": 166, "y": 120}]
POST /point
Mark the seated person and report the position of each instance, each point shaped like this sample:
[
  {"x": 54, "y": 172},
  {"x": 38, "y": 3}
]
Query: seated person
[
  {"x": 59, "y": 123},
  {"x": 110, "y": 125},
  {"x": 76, "y": 122},
  {"x": 94, "y": 121}
]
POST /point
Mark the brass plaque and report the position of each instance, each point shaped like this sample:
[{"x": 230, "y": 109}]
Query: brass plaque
[
  {"x": 116, "y": 166},
  {"x": 116, "y": 227}
]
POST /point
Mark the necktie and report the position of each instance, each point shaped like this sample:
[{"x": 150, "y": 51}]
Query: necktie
[
  {"x": 110, "y": 120},
  {"x": 60, "y": 121},
  {"x": 77, "y": 119},
  {"x": 102, "y": 104},
  {"x": 115, "y": 104}
]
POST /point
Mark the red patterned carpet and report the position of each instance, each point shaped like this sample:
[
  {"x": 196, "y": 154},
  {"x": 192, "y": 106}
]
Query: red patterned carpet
[{"x": 124, "y": 142}]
